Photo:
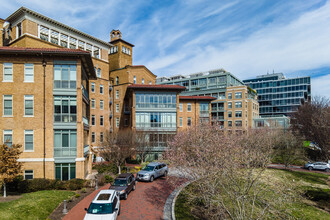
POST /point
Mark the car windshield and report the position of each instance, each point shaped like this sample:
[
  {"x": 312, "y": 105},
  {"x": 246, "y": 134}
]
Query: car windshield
[
  {"x": 99, "y": 208},
  {"x": 149, "y": 168},
  {"x": 120, "y": 182}
]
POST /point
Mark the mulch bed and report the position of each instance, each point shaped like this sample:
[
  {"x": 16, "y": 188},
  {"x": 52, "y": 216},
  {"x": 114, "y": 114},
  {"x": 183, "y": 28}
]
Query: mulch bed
[
  {"x": 57, "y": 214},
  {"x": 10, "y": 198}
]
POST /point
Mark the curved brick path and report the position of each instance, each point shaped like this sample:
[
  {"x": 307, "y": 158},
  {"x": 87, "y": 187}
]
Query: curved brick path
[{"x": 146, "y": 202}]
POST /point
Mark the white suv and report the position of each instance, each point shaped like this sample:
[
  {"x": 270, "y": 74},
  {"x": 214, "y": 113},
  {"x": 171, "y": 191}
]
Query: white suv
[{"x": 105, "y": 205}]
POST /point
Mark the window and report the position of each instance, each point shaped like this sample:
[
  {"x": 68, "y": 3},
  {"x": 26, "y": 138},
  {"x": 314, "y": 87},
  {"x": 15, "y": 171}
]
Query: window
[
  {"x": 19, "y": 30},
  {"x": 7, "y": 72},
  {"x": 96, "y": 52},
  {"x": 101, "y": 137},
  {"x": 28, "y": 140},
  {"x": 89, "y": 48},
  {"x": 117, "y": 107},
  {"x": 101, "y": 89},
  {"x": 73, "y": 43},
  {"x": 238, "y": 114},
  {"x": 238, "y": 104},
  {"x": 28, "y": 72},
  {"x": 101, "y": 104},
  {"x": 230, "y": 96},
  {"x": 101, "y": 120},
  {"x": 229, "y": 114},
  {"x": 230, "y": 123},
  {"x": 156, "y": 119},
  {"x": 117, "y": 80},
  {"x": 8, "y": 137},
  {"x": 54, "y": 37},
  {"x": 189, "y": 121},
  {"x": 65, "y": 143},
  {"x": 93, "y": 103},
  {"x": 117, "y": 94},
  {"x": 149, "y": 82},
  {"x": 93, "y": 137},
  {"x": 181, "y": 107},
  {"x": 28, "y": 105},
  {"x": 65, "y": 76},
  {"x": 65, "y": 108},
  {"x": 238, "y": 95},
  {"x": 117, "y": 122},
  {"x": 180, "y": 121},
  {"x": 189, "y": 107},
  {"x": 142, "y": 81},
  {"x": 229, "y": 105},
  {"x": 44, "y": 33},
  {"x": 126, "y": 122},
  {"x": 28, "y": 174},
  {"x": 238, "y": 123},
  {"x": 65, "y": 171},
  {"x": 134, "y": 80},
  {"x": 8, "y": 105},
  {"x": 64, "y": 40},
  {"x": 92, "y": 87},
  {"x": 93, "y": 119},
  {"x": 99, "y": 73},
  {"x": 81, "y": 45}
]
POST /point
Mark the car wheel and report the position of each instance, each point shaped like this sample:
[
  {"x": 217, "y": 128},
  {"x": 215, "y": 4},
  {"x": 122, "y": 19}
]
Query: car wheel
[
  {"x": 165, "y": 174},
  {"x": 119, "y": 210},
  {"x": 151, "y": 178},
  {"x": 327, "y": 170},
  {"x": 134, "y": 187},
  {"x": 310, "y": 168},
  {"x": 125, "y": 196}
]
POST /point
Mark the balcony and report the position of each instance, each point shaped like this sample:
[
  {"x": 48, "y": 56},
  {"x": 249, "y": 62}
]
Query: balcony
[
  {"x": 65, "y": 152},
  {"x": 204, "y": 114},
  {"x": 110, "y": 101},
  {"x": 86, "y": 150},
  {"x": 85, "y": 94},
  {"x": 110, "y": 114},
  {"x": 85, "y": 122}
]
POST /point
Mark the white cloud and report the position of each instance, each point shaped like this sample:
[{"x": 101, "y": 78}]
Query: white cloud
[{"x": 321, "y": 86}]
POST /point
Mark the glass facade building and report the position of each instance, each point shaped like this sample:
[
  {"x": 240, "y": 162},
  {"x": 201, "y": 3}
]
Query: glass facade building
[{"x": 278, "y": 95}]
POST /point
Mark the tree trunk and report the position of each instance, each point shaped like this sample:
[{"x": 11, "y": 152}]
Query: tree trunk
[
  {"x": 4, "y": 190},
  {"x": 119, "y": 169}
]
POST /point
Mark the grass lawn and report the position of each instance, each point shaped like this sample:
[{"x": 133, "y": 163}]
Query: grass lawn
[
  {"x": 314, "y": 189},
  {"x": 36, "y": 205}
]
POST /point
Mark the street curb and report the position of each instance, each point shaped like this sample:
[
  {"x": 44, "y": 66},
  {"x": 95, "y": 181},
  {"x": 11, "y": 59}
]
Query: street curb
[{"x": 168, "y": 213}]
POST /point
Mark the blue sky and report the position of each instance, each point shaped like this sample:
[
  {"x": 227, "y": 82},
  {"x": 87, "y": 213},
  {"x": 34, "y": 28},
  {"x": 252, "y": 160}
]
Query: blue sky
[{"x": 247, "y": 38}]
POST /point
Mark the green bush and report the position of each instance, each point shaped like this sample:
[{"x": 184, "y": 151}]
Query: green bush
[
  {"x": 100, "y": 180},
  {"x": 106, "y": 168},
  {"x": 108, "y": 179},
  {"x": 83, "y": 190},
  {"x": 77, "y": 195},
  {"x": 40, "y": 184},
  {"x": 75, "y": 184}
]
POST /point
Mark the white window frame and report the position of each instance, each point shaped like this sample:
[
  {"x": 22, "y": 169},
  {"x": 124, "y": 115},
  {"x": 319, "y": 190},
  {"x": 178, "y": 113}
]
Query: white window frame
[
  {"x": 117, "y": 94},
  {"x": 98, "y": 73},
  {"x": 7, "y": 132},
  {"x": 117, "y": 122},
  {"x": 180, "y": 107},
  {"x": 231, "y": 105},
  {"x": 93, "y": 116},
  {"x": 117, "y": 107},
  {"x": 101, "y": 120},
  {"x": 25, "y": 74},
  {"x": 8, "y": 65},
  {"x": 93, "y": 134},
  {"x": 101, "y": 104},
  {"x": 189, "y": 104},
  {"x": 25, "y": 133},
  {"x": 29, "y": 97},
  {"x": 93, "y": 103},
  {"x": 29, "y": 174},
  {"x": 93, "y": 87},
  {"x": 180, "y": 122},
  {"x": 190, "y": 122},
  {"x": 17, "y": 27},
  {"x": 101, "y": 89},
  {"x": 3, "y": 104}
]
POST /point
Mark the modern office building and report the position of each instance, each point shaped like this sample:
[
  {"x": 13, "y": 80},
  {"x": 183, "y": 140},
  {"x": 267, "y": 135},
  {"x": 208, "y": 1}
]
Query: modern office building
[
  {"x": 235, "y": 104},
  {"x": 272, "y": 122},
  {"x": 91, "y": 90},
  {"x": 278, "y": 95}
]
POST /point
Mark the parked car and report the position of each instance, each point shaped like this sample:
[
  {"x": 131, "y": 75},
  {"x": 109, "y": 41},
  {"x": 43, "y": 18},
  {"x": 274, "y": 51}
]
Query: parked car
[
  {"x": 124, "y": 184},
  {"x": 318, "y": 166},
  {"x": 105, "y": 205},
  {"x": 152, "y": 171}
]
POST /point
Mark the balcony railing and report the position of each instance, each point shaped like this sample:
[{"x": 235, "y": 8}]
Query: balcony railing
[
  {"x": 155, "y": 105},
  {"x": 85, "y": 122},
  {"x": 155, "y": 125},
  {"x": 85, "y": 93},
  {"x": 204, "y": 114},
  {"x": 65, "y": 152}
]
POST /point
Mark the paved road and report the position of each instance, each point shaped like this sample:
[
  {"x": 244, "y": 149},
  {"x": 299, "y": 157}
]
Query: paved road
[
  {"x": 146, "y": 202},
  {"x": 296, "y": 168}
]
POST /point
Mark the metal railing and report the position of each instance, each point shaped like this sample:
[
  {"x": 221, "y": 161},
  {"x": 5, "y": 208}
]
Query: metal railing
[
  {"x": 155, "y": 125},
  {"x": 85, "y": 121},
  {"x": 65, "y": 152},
  {"x": 155, "y": 105},
  {"x": 86, "y": 149}
]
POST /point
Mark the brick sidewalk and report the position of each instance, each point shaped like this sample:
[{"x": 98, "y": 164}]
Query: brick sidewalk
[{"x": 146, "y": 202}]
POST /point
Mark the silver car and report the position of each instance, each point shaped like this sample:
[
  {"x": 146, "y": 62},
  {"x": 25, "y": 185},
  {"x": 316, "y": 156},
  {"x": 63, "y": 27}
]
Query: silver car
[
  {"x": 318, "y": 166},
  {"x": 152, "y": 171}
]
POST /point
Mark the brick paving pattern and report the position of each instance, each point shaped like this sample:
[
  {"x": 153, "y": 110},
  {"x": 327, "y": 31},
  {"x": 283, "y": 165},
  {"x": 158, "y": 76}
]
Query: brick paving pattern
[{"x": 146, "y": 202}]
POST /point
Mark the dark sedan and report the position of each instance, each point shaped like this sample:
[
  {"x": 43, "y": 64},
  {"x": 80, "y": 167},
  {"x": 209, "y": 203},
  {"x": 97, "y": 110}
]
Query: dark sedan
[{"x": 124, "y": 184}]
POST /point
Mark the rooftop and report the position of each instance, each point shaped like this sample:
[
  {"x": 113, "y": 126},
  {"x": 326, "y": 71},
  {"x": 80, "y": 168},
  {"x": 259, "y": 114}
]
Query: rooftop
[
  {"x": 197, "y": 97},
  {"x": 155, "y": 87}
]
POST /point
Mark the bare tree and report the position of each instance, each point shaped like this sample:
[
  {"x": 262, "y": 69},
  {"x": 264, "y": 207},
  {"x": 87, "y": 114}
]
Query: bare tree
[
  {"x": 143, "y": 145},
  {"x": 9, "y": 166},
  {"x": 312, "y": 121},
  {"x": 118, "y": 147},
  {"x": 228, "y": 167},
  {"x": 288, "y": 147}
]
